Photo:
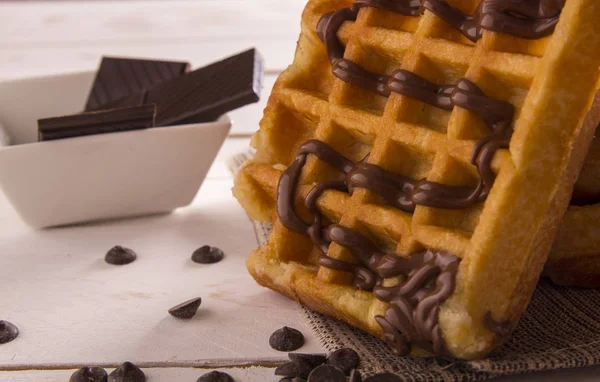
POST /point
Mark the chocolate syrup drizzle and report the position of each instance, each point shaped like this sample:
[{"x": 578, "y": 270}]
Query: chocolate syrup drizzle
[
  {"x": 428, "y": 276},
  {"x": 497, "y": 115},
  {"x": 529, "y": 19}
]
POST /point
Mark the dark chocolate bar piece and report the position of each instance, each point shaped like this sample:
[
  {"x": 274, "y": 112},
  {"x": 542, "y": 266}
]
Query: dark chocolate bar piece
[
  {"x": 97, "y": 122},
  {"x": 118, "y": 78},
  {"x": 206, "y": 93}
]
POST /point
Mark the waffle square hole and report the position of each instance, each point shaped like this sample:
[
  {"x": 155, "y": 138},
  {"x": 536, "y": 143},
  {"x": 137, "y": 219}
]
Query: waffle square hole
[
  {"x": 435, "y": 27},
  {"x": 463, "y": 220},
  {"x": 383, "y": 240},
  {"x": 451, "y": 171},
  {"x": 288, "y": 131},
  {"x": 497, "y": 85},
  {"x": 386, "y": 223},
  {"x": 375, "y": 62},
  {"x": 380, "y": 18},
  {"x": 501, "y": 42},
  {"x": 440, "y": 73},
  {"x": 504, "y": 86},
  {"x": 406, "y": 160},
  {"x": 317, "y": 80},
  {"x": 352, "y": 144}
]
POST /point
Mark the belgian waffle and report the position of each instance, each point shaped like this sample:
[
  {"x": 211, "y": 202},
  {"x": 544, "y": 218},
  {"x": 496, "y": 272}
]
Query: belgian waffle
[{"x": 435, "y": 96}]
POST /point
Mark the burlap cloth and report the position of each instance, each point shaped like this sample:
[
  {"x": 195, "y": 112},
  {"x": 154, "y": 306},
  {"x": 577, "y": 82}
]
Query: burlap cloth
[{"x": 559, "y": 330}]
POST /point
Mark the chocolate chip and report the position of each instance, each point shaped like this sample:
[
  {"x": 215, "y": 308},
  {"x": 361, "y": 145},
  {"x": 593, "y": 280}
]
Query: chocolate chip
[
  {"x": 118, "y": 255},
  {"x": 326, "y": 373},
  {"x": 313, "y": 360},
  {"x": 296, "y": 368},
  {"x": 355, "y": 376},
  {"x": 344, "y": 359},
  {"x": 127, "y": 372},
  {"x": 286, "y": 339},
  {"x": 290, "y": 379},
  {"x": 207, "y": 255},
  {"x": 216, "y": 376},
  {"x": 384, "y": 377},
  {"x": 8, "y": 332},
  {"x": 89, "y": 374},
  {"x": 186, "y": 309}
]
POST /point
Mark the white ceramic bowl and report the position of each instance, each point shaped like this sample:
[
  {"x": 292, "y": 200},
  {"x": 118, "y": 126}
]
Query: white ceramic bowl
[{"x": 99, "y": 176}]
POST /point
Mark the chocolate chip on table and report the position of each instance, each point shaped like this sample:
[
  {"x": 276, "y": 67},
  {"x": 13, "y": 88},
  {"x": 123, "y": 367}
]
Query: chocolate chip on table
[
  {"x": 355, "y": 376},
  {"x": 344, "y": 359},
  {"x": 297, "y": 368},
  {"x": 118, "y": 255},
  {"x": 8, "y": 332},
  {"x": 207, "y": 255},
  {"x": 384, "y": 377},
  {"x": 216, "y": 376},
  {"x": 300, "y": 366},
  {"x": 326, "y": 373},
  {"x": 186, "y": 310},
  {"x": 286, "y": 339},
  {"x": 127, "y": 372},
  {"x": 89, "y": 374},
  {"x": 312, "y": 359}
]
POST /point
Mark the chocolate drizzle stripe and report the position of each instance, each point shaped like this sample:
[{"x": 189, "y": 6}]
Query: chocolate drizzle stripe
[
  {"x": 429, "y": 276},
  {"x": 529, "y": 19},
  {"x": 497, "y": 115}
]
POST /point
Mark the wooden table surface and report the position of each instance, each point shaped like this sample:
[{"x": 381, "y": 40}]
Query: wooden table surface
[{"x": 71, "y": 307}]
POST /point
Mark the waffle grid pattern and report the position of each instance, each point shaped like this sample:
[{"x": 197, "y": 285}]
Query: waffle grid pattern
[
  {"x": 401, "y": 134},
  {"x": 410, "y": 138}
]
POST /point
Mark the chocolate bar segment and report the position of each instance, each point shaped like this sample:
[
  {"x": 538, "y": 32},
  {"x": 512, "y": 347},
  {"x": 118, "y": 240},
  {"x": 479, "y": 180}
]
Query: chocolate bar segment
[
  {"x": 206, "y": 93},
  {"x": 97, "y": 122},
  {"x": 118, "y": 78}
]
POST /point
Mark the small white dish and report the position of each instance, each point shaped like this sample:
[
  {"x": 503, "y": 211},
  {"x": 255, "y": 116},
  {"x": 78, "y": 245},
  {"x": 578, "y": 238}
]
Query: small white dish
[{"x": 95, "y": 177}]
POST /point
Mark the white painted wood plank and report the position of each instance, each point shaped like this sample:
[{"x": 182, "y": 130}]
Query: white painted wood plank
[
  {"x": 20, "y": 61},
  {"x": 251, "y": 374},
  {"x": 73, "y": 308},
  {"x": 98, "y": 21},
  {"x": 49, "y": 37}
]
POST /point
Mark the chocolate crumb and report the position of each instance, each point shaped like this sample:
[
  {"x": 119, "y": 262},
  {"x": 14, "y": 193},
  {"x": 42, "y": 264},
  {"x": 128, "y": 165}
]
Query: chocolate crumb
[
  {"x": 207, "y": 255},
  {"x": 355, "y": 376},
  {"x": 384, "y": 377},
  {"x": 8, "y": 332},
  {"x": 326, "y": 373},
  {"x": 89, "y": 374},
  {"x": 344, "y": 359},
  {"x": 186, "y": 310},
  {"x": 127, "y": 372},
  {"x": 286, "y": 339},
  {"x": 118, "y": 255},
  {"x": 216, "y": 376}
]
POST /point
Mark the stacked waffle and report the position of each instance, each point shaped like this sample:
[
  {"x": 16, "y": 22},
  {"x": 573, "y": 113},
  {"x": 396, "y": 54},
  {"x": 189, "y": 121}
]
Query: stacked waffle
[{"x": 416, "y": 160}]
